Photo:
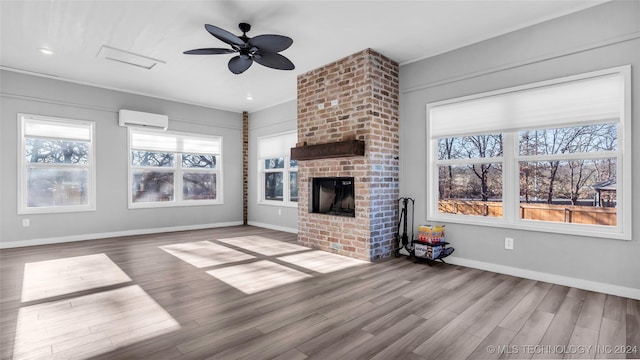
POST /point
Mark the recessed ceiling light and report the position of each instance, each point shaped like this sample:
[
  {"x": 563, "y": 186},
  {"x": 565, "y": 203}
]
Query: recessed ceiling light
[{"x": 46, "y": 51}]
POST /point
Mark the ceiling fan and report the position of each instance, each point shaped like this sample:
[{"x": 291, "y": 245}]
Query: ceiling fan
[{"x": 263, "y": 49}]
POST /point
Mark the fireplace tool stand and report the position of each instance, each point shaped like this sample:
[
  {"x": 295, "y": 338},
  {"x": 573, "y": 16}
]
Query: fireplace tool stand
[{"x": 405, "y": 245}]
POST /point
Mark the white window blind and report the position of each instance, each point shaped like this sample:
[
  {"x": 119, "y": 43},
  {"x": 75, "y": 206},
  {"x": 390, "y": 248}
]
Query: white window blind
[
  {"x": 167, "y": 142},
  {"x": 56, "y": 130},
  {"x": 200, "y": 146},
  {"x": 276, "y": 146},
  {"x": 562, "y": 102}
]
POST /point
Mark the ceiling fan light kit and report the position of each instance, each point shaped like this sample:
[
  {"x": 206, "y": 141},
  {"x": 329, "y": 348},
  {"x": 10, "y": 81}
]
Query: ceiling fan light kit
[{"x": 262, "y": 49}]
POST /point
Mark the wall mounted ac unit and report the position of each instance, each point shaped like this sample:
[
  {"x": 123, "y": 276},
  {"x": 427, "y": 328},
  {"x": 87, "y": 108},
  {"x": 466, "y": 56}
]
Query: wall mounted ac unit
[{"x": 138, "y": 118}]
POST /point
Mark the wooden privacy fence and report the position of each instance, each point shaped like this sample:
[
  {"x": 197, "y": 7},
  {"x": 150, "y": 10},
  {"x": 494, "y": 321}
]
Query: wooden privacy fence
[
  {"x": 471, "y": 207},
  {"x": 569, "y": 214},
  {"x": 544, "y": 212}
]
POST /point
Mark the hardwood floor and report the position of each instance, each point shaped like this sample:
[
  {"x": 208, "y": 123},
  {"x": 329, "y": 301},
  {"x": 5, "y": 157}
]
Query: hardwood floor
[{"x": 251, "y": 293}]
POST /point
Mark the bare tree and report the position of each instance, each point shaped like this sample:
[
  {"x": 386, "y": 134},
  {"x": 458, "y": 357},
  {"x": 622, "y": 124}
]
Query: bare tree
[
  {"x": 199, "y": 161},
  {"x": 483, "y": 146},
  {"x": 579, "y": 174},
  {"x": 594, "y": 138},
  {"x": 273, "y": 180},
  {"x": 56, "y": 151},
  {"x": 447, "y": 151},
  {"x": 54, "y": 184},
  {"x": 558, "y": 141},
  {"x": 199, "y": 185},
  {"x": 152, "y": 159}
]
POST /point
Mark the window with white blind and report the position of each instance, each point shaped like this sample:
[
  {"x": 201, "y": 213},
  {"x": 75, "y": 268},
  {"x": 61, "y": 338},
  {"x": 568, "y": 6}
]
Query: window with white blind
[
  {"x": 552, "y": 156},
  {"x": 57, "y": 165},
  {"x": 174, "y": 169},
  {"x": 278, "y": 183}
]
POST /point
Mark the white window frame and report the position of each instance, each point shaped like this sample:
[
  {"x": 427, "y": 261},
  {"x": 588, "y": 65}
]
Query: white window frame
[
  {"x": 177, "y": 170},
  {"x": 511, "y": 173},
  {"x": 284, "y": 153},
  {"x": 23, "y": 165}
]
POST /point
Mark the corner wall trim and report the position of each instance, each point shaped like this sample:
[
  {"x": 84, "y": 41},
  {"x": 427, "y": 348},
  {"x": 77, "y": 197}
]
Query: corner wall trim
[
  {"x": 86, "y": 83},
  {"x": 524, "y": 62},
  {"x": 97, "y": 236},
  {"x": 273, "y": 227},
  {"x": 550, "y": 278},
  {"x": 106, "y": 109}
]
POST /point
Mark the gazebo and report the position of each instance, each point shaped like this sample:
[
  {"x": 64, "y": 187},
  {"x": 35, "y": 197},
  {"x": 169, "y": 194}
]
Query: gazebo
[{"x": 608, "y": 187}]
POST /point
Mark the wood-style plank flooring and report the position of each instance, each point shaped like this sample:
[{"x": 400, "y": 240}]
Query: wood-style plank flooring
[{"x": 250, "y": 293}]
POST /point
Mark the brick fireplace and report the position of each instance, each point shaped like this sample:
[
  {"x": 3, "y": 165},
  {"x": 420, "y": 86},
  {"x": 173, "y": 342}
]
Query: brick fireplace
[{"x": 355, "y": 98}]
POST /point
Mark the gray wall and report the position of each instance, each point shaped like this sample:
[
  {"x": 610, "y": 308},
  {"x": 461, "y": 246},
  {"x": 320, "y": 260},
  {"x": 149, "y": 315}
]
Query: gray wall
[
  {"x": 601, "y": 37},
  {"x": 273, "y": 120},
  {"x": 37, "y": 95}
]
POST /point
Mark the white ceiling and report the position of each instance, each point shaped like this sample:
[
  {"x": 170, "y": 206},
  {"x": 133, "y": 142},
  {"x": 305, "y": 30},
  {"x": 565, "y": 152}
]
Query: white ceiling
[{"x": 323, "y": 31}]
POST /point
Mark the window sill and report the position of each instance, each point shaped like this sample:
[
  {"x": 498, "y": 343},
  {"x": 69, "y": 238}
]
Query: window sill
[
  {"x": 156, "y": 205},
  {"x": 278, "y": 203},
  {"x": 55, "y": 210}
]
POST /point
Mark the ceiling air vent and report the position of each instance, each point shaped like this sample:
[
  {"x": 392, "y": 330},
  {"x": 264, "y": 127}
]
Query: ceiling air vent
[{"x": 128, "y": 58}]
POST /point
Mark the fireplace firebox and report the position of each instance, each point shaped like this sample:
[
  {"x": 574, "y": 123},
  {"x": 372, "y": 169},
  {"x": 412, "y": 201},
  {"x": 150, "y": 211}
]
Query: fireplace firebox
[{"x": 333, "y": 196}]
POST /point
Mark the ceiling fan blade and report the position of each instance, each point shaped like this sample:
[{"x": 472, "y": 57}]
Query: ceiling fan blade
[
  {"x": 224, "y": 35},
  {"x": 209, "y": 51},
  {"x": 271, "y": 43},
  {"x": 275, "y": 61},
  {"x": 239, "y": 64}
]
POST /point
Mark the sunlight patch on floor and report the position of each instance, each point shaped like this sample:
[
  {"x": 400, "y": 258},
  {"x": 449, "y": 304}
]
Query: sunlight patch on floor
[
  {"x": 204, "y": 253},
  {"x": 321, "y": 261},
  {"x": 85, "y": 326},
  {"x": 264, "y": 246},
  {"x": 257, "y": 276},
  {"x": 46, "y": 279}
]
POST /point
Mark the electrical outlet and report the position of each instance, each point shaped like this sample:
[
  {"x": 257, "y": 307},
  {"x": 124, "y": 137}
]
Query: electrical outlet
[
  {"x": 334, "y": 102},
  {"x": 320, "y": 106},
  {"x": 25, "y": 223},
  {"x": 279, "y": 211},
  {"x": 508, "y": 243}
]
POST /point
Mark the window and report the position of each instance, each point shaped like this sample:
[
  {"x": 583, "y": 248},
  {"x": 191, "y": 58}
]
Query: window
[
  {"x": 173, "y": 169},
  {"x": 470, "y": 175},
  {"x": 57, "y": 165},
  {"x": 278, "y": 173},
  {"x": 551, "y": 156}
]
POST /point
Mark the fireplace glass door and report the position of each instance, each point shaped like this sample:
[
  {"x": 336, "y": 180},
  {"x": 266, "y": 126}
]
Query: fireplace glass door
[{"x": 333, "y": 196}]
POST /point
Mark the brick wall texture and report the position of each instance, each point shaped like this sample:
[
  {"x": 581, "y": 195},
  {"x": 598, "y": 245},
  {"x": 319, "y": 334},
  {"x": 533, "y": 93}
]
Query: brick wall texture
[
  {"x": 366, "y": 88},
  {"x": 245, "y": 167}
]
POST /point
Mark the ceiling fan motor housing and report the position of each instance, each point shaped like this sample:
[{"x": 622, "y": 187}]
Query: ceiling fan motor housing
[{"x": 244, "y": 27}]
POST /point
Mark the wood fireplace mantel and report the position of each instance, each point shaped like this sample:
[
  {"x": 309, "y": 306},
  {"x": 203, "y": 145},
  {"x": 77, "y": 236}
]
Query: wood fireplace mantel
[{"x": 328, "y": 150}]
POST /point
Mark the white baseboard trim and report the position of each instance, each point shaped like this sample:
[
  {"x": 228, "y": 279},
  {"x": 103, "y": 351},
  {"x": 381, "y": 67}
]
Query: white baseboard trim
[
  {"x": 71, "y": 238},
  {"x": 550, "y": 278},
  {"x": 273, "y": 227}
]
